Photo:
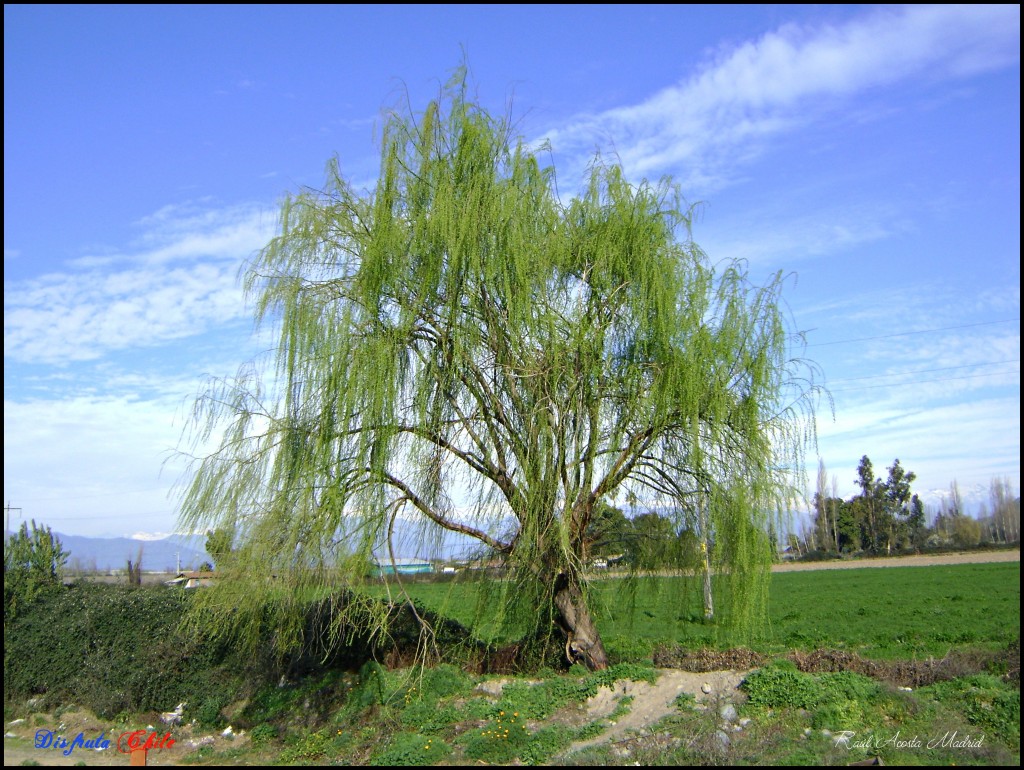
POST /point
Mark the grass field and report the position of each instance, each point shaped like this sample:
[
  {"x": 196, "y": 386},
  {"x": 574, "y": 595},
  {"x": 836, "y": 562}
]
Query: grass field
[
  {"x": 893, "y": 613},
  {"x": 910, "y": 612}
]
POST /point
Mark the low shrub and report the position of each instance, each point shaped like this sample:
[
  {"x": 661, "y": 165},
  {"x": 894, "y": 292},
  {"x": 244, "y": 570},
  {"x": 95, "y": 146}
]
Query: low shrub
[
  {"x": 780, "y": 685},
  {"x": 837, "y": 698},
  {"x": 263, "y": 734},
  {"x": 310, "y": 747},
  {"x": 500, "y": 740},
  {"x": 411, "y": 749}
]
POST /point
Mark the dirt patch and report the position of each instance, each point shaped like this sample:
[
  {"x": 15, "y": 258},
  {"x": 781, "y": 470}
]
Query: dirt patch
[
  {"x": 653, "y": 702},
  {"x": 902, "y": 673},
  {"x": 684, "y": 659}
]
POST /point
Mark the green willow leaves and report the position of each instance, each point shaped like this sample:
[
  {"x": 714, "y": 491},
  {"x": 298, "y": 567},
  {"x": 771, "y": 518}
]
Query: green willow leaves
[{"x": 462, "y": 348}]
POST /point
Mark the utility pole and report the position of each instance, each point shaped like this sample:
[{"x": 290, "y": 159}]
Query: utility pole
[{"x": 9, "y": 509}]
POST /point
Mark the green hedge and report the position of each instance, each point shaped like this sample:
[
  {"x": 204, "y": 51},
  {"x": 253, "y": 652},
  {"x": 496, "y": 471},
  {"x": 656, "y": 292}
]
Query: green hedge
[{"x": 117, "y": 648}]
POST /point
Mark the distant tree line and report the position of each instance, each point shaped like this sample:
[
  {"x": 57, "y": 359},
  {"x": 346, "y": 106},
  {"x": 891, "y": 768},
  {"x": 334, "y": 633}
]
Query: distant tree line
[
  {"x": 645, "y": 541},
  {"x": 995, "y": 523},
  {"x": 886, "y": 517}
]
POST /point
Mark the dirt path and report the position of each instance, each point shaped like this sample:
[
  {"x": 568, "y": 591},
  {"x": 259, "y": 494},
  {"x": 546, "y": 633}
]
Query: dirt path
[
  {"x": 963, "y": 557},
  {"x": 653, "y": 702}
]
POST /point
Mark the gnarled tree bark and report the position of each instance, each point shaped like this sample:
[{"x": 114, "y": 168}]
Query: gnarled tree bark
[{"x": 583, "y": 641}]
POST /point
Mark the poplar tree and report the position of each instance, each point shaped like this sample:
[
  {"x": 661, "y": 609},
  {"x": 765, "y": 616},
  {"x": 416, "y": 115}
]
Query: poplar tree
[{"x": 463, "y": 347}]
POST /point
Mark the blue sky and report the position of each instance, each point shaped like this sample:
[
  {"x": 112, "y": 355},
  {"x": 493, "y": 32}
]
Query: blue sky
[{"x": 873, "y": 153}]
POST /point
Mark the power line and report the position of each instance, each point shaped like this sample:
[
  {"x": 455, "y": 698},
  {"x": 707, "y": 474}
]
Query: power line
[
  {"x": 920, "y": 382},
  {"x": 906, "y": 334},
  {"x": 8, "y": 509},
  {"x": 926, "y": 371}
]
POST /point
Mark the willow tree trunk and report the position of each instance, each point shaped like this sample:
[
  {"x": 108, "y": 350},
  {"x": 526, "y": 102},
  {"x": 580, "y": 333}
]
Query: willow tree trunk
[{"x": 583, "y": 642}]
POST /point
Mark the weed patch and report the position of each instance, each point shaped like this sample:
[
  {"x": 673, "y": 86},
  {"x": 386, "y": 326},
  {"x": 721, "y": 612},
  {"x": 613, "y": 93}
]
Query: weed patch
[
  {"x": 411, "y": 749},
  {"x": 985, "y": 701}
]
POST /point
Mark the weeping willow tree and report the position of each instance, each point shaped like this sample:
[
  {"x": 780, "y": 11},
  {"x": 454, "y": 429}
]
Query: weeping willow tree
[{"x": 463, "y": 347}]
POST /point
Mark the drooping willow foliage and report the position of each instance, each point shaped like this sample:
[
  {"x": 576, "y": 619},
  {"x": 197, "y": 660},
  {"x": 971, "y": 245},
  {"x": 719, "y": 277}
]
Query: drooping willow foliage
[{"x": 461, "y": 347}]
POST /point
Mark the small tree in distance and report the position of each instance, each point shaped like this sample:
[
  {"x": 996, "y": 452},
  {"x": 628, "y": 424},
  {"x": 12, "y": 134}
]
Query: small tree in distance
[
  {"x": 462, "y": 348},
  {"x": 135, "y": 570},
  {"x": 218, "y": 544},
  {"x": 34, "y": 561}
]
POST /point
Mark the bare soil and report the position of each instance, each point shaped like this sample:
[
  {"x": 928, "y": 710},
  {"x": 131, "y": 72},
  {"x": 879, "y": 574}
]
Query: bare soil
[
  {"x": 653, "y": 702},
  {"x": 963, "y": 557}
]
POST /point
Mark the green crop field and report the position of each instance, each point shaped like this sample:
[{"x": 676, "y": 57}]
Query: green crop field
[
  {"x": 898, "y": 613},
  {"x": 906, "y": 612}
]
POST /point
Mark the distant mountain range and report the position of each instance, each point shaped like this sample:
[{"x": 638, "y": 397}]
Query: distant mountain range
[
  {"x": 112, "y": 553},
  {"x": 174, "y": 553}
]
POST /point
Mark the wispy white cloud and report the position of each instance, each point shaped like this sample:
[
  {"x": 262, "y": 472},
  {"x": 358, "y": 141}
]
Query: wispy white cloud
[
  {"x": 936, "y": 399},
  {"x": 927, "y": 370},
  {"x": 101, "y": 448},
  {"x": 897, "y": 308},
  {"x": 769, "y": 238},
  {"x": 79, "y": 317},
  {"x": 941, "y": 439},
  {"x": 103, "y": 457},
  {"x": 1003, "y": 299},
  {"x": 202, "y": 231},
  {"x": 717, "y": 119},
  {"x": 354, "y": 124},
  {"x": 179, "y": 280}
]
